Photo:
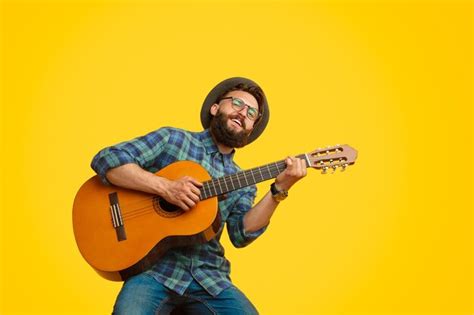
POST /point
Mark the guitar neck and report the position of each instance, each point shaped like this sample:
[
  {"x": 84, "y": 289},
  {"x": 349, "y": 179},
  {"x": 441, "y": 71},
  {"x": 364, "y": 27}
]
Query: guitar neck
[{"x": 227, "y": 183}]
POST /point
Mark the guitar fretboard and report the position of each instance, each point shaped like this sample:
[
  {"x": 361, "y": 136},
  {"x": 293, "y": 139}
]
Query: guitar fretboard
[{"x": 224, "y": 184}]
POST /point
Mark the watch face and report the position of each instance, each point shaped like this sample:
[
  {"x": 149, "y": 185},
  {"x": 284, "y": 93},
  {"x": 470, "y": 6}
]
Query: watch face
[{"x": 280, "y": 196}]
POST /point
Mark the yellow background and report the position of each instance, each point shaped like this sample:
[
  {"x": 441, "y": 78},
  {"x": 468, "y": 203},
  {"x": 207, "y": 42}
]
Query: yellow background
[{"x": 391, "y": 235}]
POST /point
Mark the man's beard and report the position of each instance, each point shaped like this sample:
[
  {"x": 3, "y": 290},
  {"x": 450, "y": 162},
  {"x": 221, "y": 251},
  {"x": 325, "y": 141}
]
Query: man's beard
[{"x": 226, "y": 136}]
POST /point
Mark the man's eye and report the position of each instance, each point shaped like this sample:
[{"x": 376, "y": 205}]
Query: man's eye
[{"x": 237, "y": 102}]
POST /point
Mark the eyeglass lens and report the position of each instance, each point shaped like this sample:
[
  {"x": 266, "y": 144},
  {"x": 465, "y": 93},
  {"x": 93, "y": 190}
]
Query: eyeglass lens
[{"x": 238, "y": 104}]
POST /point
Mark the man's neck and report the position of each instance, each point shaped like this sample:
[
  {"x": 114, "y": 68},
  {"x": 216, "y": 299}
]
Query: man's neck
[{"x": 223, "y": 148}]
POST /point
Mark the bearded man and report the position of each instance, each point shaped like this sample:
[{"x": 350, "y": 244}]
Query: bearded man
[{"x": 196, "y": 278}]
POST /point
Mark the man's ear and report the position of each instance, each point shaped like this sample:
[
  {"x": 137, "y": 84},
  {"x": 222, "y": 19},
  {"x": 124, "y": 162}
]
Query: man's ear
[{"x": 214, "y": 109}]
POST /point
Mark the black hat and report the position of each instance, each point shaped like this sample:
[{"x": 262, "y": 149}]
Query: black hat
[{"x": 225, "y": 86}]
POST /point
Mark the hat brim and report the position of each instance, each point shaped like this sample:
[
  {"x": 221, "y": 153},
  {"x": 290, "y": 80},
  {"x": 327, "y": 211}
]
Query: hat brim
[{"x": 221, "y": 88}]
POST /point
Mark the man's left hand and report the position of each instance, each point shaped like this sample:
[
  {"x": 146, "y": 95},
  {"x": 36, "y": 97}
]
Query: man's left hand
[{"x": 295, "y": 170}]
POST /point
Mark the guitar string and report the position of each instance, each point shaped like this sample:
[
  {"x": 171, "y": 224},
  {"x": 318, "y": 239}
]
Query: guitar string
[
  {"x": 139, "y": 213},
  {"x": 136, "y": 214},
  {"x": 150, "y": 208},
  {"x": 227, "y": 179},
  {"x": 271, "y": 168}
]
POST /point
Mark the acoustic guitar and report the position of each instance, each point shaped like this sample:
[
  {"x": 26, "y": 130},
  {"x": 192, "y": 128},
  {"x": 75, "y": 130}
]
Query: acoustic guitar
[{"x": 122, "y": 232}]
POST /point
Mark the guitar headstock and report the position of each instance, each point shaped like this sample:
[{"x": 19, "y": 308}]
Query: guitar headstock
[{"x": 332, "y": 158}]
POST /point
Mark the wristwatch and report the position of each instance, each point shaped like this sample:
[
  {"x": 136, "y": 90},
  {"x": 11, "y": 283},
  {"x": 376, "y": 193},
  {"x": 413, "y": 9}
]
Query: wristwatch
[{"x": 278, "y": 195}]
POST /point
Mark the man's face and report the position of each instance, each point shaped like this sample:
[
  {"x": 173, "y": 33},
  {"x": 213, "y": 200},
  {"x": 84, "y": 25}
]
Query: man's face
[{"x": 231, "y": 125}]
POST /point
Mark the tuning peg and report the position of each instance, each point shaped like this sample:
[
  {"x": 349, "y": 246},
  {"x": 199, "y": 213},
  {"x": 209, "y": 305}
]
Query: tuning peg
[
  {"x": 334, "y": 168},
  {"x": 343, "y": 167},
  {"x": 324, "y": 170}
]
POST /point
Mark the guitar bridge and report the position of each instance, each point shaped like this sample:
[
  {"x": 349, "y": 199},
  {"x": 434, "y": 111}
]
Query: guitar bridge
[{"x": 117, "y": 220}]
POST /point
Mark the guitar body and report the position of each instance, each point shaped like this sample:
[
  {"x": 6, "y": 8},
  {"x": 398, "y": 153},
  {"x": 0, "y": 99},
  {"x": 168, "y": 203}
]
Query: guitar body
[{"x": 150, "y": 225}]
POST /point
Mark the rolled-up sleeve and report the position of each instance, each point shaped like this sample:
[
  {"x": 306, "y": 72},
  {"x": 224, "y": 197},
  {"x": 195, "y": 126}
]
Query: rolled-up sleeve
[
  {"x": 142, "y": 151},
  {"x": 235, "y": 221}
]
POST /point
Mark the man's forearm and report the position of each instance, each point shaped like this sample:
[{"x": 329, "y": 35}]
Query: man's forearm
[
  {"x": 134, "y": 177},
  {"x": 259, "y": 216}
]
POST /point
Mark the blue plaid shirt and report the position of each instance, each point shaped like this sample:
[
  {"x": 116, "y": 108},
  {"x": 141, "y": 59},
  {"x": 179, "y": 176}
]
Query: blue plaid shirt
[{"x": 204, "y": 262}]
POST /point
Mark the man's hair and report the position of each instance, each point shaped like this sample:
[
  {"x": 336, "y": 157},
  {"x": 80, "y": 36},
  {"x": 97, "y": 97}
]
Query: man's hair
[{"x": 256, "y": 92}]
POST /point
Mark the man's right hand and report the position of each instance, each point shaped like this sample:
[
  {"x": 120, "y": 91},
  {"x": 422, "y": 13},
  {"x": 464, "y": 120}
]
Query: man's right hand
[{"x": 183, "y": 192}]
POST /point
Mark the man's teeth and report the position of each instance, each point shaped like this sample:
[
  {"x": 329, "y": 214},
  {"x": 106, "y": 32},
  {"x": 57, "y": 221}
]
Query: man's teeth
[{"x": 237, "y": 121}]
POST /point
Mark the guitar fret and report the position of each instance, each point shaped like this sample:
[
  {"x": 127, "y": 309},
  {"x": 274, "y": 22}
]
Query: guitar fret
[
  {"x": 237, "y": 175},
  {"x": 220, "y": 187},
  {"x": 278, "y": 165},
  {"x": 269, "y": 171},
  {"x": 203, "y": 192},
  {"x": 225, "y": 182},
  {"x": 251, "y": 173},
  {"x": 232, "y": 182},
  {"x": 215, "y": 189},
  {"x": 208, "y": 190}
]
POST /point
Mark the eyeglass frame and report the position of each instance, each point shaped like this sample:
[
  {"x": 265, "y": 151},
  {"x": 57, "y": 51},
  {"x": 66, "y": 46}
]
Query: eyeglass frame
[{"x": 243, "y": 106}]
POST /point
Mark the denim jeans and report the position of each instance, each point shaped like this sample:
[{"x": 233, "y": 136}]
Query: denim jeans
[{"x": 144, "y": 295}]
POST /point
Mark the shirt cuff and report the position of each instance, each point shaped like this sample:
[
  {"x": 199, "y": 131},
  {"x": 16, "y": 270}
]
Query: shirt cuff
[
  {"x": 245, "y": 238},
  {"x": 108, "y": 161}
]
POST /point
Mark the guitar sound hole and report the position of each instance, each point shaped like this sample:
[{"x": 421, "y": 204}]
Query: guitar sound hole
[{"x": 166, "y": 209}]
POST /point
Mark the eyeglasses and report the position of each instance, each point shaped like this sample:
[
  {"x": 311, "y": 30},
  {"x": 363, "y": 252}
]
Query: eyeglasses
[{"x": 238, "y": 105}]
